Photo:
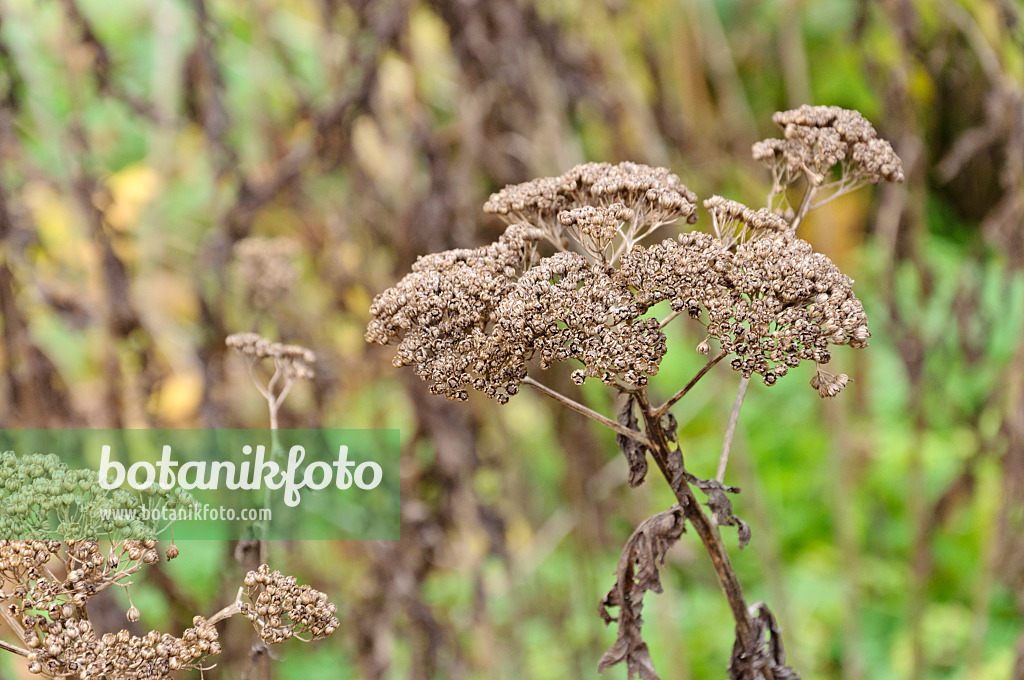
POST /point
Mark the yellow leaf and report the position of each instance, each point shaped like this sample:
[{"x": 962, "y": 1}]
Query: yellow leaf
[
  {"x": 179, "y": 397},
  {"x": 55, "y": 222},
  {"x": 131, "y": 188}
]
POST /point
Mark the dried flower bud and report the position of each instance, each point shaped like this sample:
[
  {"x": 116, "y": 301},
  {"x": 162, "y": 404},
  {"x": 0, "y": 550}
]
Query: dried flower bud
[{"x": 829, "y": 385}]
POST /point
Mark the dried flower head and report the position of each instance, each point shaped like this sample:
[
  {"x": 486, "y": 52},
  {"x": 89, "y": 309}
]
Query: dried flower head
[
  {"x": 266, "y": 268},
  {"x": 565, "y": 308},
  {"x": 686, "y": 271},
  {"x": 445, "y": 307},
  {"x": 652, "y": 196},
  {"x": 50, "y": 611},
  {"x": 279, "y": 608},
  {"x": 293, "y": 361},
  {"x": 477, "y": 318},
  {"x": 783, "y": 304},
  {"x": 153, "y": 655},
  {"x": 829, "y": 385},
  {"x": 735, "y": 223},
  {"x": 595, "y": 228},
  {"x": 818, "y": 139},
  {"x": 54, "y": 625}
]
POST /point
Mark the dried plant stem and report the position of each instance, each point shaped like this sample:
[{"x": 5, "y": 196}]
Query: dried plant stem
[
  {"x": 730, "y": 431},
  {"x": 228, "y": 611},
  {"x": 18, "y": 630},
  {"x": 588, "y": 412},
  {"x": 673, "y": 470},
  {"x": 921, "y": 554},
  {"x": 805, "y": 206},
  {"x": 661, "y": 410},
  {"x": 273, "y": 401},
  {"x": 116, "y": 579},
  {"x": 7, "y": 646},
  {"x": 668, "y": 319}
]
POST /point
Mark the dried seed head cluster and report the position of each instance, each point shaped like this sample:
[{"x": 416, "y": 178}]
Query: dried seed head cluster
[
  {"x": 153, "y": 655},
  {"x": 293, "y": 361},
  {"x": 772, "y": 302},
  {"x": 565, "y": 308},
  {"x": 783, "y": 304},
  {"x": 687, "y": 271},
  {"x": 476, "y": 318},
  {"x": 445, "y": 308},
  {"x": 53, "y": 622},
  {"x": 266, "y": 268},
  {"x": 817, "y": 139},
  {"x": 595, "y": 228},
  {"x": 279, "y": 608},
  {"x": 735, "y": 223},
  {"x": 642, "y": 197}
]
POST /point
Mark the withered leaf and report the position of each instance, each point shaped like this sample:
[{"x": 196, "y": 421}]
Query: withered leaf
[
  {"x": 721, "y": 506},
  {"x": 635, "y": 452},
  {"x": 638, "y": 571},
  {"x": 669, "y": 426},
  {"x": 767, "y": 650}
]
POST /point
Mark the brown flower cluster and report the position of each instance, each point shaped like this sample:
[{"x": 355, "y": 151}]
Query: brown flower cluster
[
  {"x": 266, "y": 268},
  {"x": 565, "y": 308},
  {"x": 783, "y": 304},
  {"x": 595, "y": 228},
  {"x": 279, "y": 608},
  {"x": 51, "y": 618},
  {"x": 293, "y": 361},
  {"x": 477, "y": 318},
  {"x": 735, "y": 223},
  {"x": 445, "y": 307},
  {"x": 53, "y": 621},
  {"x": 817, "y": 139},
  {"x": 687, "y": 271},
  {"x": 153, "y": 655},
  {"x": 772, "y": 302},
  {"x": 89, "y": 569},
  {"x": 472, "y": 319},
  {"x": 641, "y": 199},
  {"x": 19, "y": 557}
]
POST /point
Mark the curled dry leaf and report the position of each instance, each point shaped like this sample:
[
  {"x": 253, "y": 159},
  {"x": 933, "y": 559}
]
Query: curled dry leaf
[
  {"x": 768, "y": 643},
  {"x": 638, "y": 572},
  {"x": 721, "y": 506},
  {"x": 635, "y": 452}
]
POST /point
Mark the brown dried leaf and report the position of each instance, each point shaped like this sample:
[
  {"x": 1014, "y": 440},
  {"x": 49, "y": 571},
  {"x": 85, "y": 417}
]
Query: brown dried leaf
[
  {"x": 638, "y": 572},
  {"x": 721, "y": 506},
  {"x": 635, "y": 452},
  {"x": 768, "y": 650}
]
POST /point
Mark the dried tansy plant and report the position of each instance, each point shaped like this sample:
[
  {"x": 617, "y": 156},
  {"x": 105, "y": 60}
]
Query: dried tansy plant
[{"x": 478, "y": 319}]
